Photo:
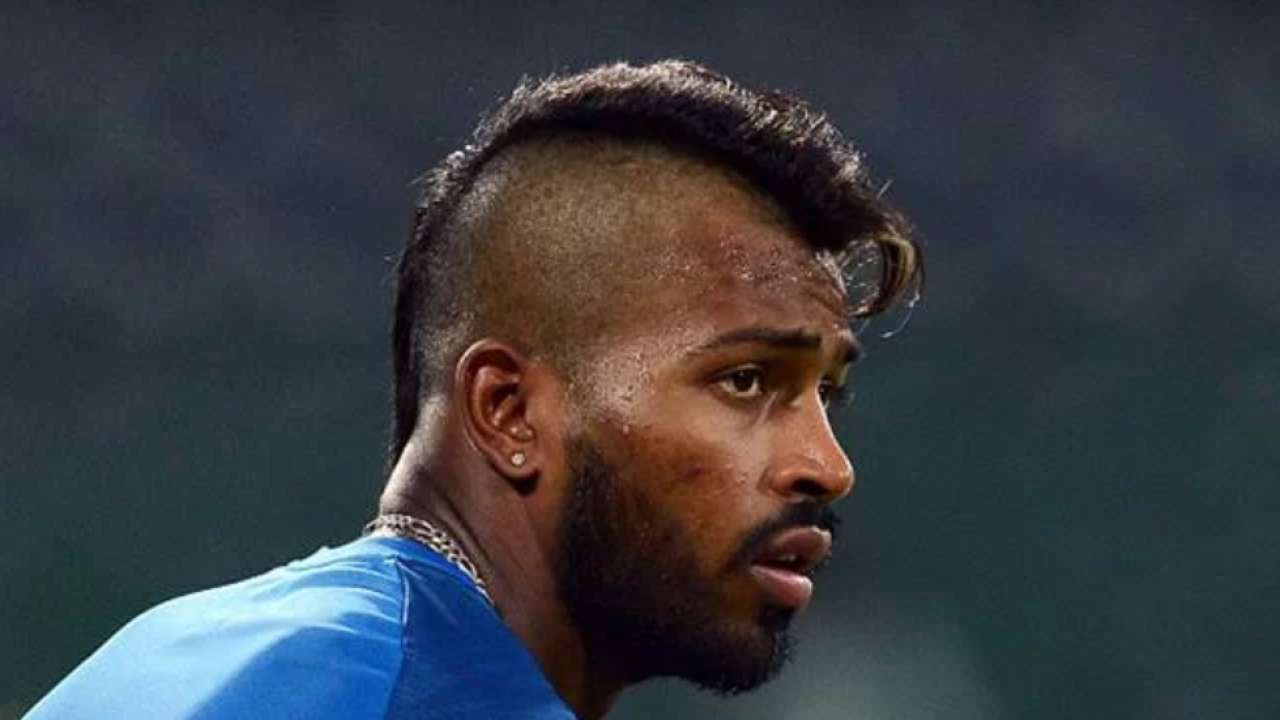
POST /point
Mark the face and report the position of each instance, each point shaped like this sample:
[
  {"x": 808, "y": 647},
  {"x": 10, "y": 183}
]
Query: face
[{"x": 701, "y": 460}]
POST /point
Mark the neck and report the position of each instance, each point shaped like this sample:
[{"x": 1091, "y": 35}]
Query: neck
[{"x": 514, "y": 554}]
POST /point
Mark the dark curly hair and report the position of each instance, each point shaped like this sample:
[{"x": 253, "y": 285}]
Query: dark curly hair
[{"x": 777, "y": 142}]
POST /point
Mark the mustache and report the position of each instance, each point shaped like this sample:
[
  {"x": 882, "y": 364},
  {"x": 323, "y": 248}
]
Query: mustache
[{"x": 799, "y": 515}]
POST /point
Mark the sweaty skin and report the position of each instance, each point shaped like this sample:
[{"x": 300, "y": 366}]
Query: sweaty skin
[{"x": 603, "y": 274}]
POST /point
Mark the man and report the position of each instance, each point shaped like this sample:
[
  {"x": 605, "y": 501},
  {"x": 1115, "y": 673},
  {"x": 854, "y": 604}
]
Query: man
[{"x": 619, "y": 320}]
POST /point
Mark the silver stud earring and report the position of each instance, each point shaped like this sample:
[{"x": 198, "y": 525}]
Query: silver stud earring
[{"x": 517, "y": 458}]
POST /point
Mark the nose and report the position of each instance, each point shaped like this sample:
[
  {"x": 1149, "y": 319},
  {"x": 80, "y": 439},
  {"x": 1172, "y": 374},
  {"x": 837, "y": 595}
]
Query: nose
[{"x": 809, "y": 463}]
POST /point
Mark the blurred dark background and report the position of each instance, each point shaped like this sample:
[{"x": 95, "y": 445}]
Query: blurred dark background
[{"x": 1068, "y": 502}]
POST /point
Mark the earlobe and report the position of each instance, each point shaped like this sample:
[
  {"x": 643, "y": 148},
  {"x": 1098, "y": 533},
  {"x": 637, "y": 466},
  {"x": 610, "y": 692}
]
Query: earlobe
[{"x": 490, "y": 387}]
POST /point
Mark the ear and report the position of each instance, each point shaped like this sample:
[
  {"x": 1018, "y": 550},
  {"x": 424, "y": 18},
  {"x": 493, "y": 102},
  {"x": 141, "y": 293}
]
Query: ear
[{"x": 493, "y": 395}]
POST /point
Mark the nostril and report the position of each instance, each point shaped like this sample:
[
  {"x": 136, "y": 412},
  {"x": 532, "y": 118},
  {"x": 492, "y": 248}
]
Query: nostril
[{"x": 810, "y": 488}]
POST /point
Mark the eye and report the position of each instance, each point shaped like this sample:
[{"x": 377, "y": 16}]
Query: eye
[{"x": 743, "y": 383}]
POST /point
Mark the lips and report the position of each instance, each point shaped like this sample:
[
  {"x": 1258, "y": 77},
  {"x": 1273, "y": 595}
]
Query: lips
[{"x": 783, "y": 565}]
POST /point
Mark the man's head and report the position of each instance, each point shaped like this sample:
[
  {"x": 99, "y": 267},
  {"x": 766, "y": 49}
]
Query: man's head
[{"x": 637, "y": 279}]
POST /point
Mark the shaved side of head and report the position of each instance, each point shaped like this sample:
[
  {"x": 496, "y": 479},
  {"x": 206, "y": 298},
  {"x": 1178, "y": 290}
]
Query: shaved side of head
[{"x": 559, "y": 244}]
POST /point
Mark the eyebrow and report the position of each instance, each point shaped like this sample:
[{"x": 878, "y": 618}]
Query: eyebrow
[{"x": 778, "y": 338}]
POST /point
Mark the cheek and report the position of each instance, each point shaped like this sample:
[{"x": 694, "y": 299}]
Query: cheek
[
  {"x": 712, "y": 456},
  {"x": 690, "y": 461},
  {"x": 703, "y": 485},
  {"x": 691, "y": 456}
]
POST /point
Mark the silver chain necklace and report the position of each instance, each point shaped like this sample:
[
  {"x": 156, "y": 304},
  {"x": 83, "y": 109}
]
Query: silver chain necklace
[{"x": 407, "y": 526}]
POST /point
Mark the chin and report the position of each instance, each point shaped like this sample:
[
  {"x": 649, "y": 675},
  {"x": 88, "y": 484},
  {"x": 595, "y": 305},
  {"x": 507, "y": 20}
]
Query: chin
[{"x": 744, "y": 658}]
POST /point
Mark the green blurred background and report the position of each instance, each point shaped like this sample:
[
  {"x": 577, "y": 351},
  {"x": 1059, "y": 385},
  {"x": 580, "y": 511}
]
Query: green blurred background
[{"x": 1068, "y": 502}]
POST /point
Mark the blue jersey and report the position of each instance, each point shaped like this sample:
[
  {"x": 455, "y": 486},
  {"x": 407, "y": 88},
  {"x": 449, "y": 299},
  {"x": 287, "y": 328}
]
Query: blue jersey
[{"x": 377, "y": 628}]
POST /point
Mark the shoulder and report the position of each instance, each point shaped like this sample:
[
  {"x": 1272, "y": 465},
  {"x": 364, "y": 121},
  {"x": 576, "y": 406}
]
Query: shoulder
[
  {"x": 377, "y": 628},
  {"x": 320, "y": 637}
]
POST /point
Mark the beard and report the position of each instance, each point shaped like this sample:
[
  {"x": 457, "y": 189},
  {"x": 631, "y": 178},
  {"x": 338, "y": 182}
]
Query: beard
[{"x": 630, "y": 581}]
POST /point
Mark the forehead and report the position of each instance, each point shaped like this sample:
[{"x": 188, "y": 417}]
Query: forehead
[
  {"x": 702, "y": 254},
  {"x": 611, "y": 242},
  {"x": 726, "y": 249}
]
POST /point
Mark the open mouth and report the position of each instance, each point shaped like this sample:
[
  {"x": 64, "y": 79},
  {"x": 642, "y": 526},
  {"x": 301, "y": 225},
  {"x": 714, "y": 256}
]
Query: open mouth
[{"x": 783, "y": 566}]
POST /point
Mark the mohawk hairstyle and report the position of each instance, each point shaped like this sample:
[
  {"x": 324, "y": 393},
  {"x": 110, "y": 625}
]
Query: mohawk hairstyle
[{"x": 778, "y": 143}]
